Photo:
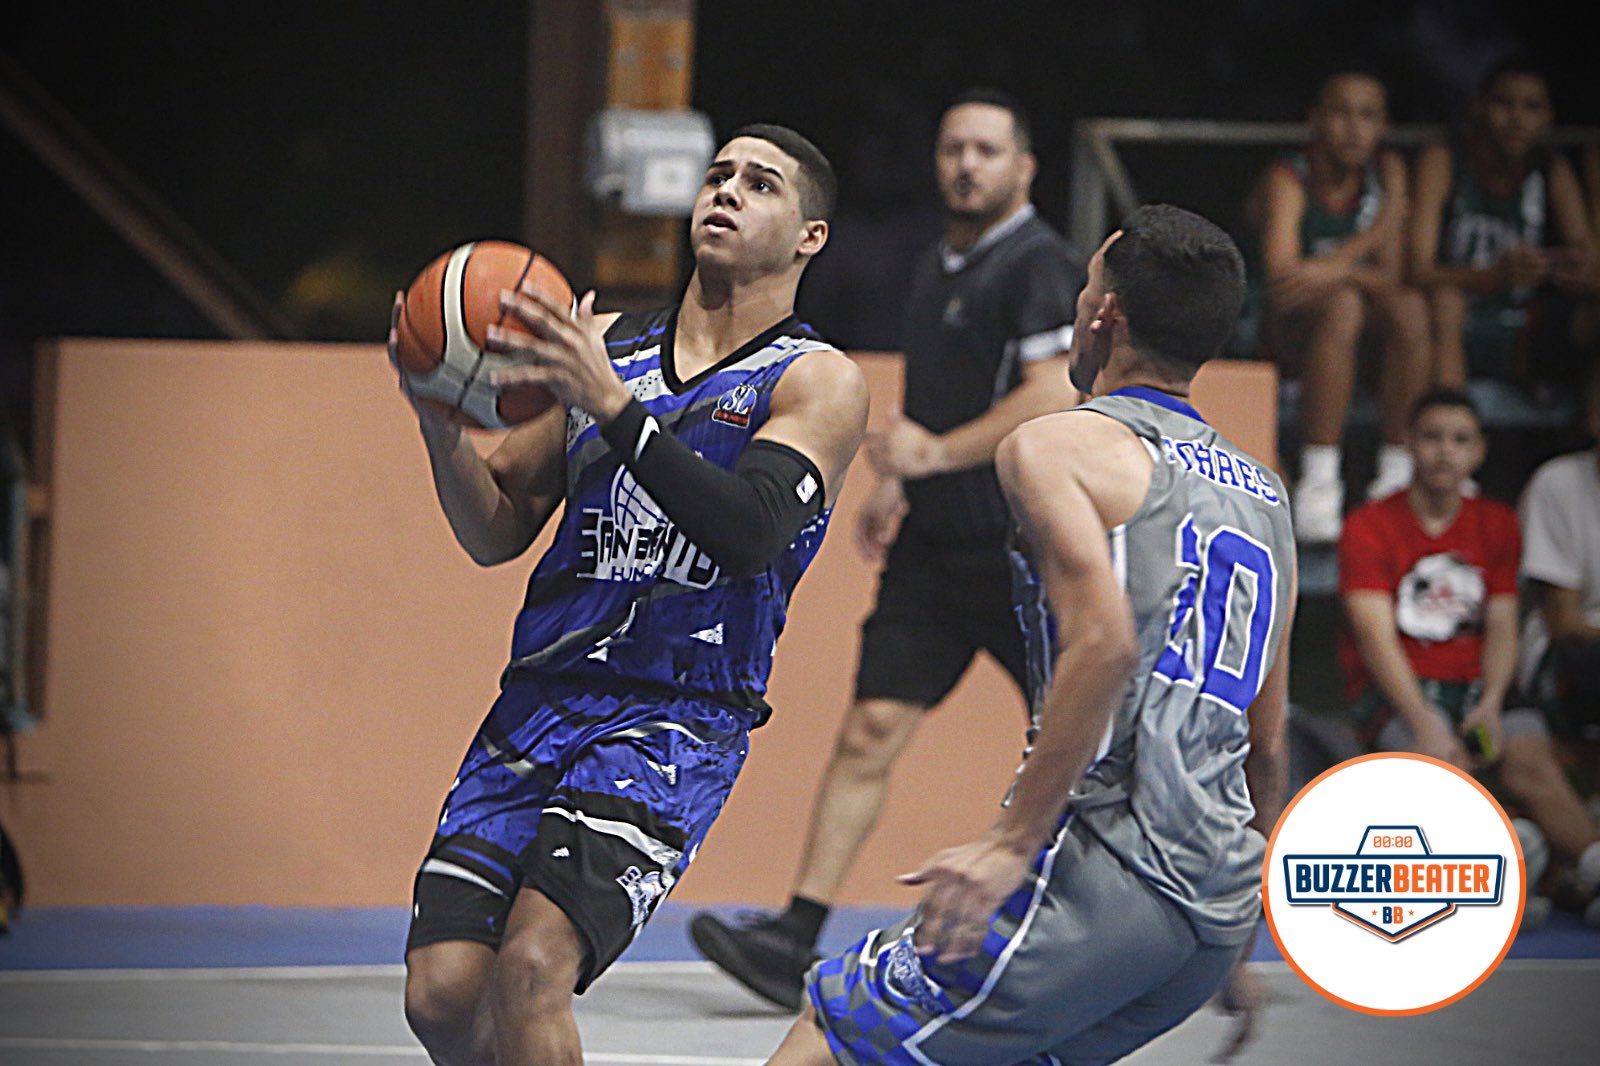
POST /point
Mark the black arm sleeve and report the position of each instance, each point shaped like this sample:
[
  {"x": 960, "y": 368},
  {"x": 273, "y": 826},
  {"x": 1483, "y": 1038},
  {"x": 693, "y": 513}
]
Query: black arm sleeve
[{"x": 741, "y": 519}]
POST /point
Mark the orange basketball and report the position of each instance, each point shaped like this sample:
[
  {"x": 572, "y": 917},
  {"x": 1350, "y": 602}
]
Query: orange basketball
[{"x": 445, "y": 320}]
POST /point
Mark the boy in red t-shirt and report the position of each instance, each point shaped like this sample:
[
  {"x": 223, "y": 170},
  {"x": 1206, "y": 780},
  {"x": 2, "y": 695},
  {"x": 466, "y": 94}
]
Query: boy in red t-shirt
[{"x": 1428, "y": 577}]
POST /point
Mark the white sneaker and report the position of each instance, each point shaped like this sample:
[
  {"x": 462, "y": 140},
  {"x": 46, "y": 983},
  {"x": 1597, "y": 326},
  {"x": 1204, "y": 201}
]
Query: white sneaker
[
  {"x": 1318, "y": 508},
  {"x": 1535, "y": 851},
  {"x": 1393, "y": 474}
]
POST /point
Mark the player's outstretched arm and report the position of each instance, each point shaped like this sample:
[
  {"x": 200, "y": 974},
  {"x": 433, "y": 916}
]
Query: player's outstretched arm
[
  {"x": 1069, "y": 479},
  {"x": 495, "y": 506},
  {"x": 1266, "y": 770}
]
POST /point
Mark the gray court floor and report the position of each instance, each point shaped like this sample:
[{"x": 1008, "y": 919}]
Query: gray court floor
[{"x": 1544, "y": 1012}]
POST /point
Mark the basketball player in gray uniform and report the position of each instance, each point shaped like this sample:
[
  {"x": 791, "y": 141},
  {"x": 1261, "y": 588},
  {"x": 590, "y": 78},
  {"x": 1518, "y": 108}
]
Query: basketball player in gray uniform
[{"x": 1120, "y": 885}]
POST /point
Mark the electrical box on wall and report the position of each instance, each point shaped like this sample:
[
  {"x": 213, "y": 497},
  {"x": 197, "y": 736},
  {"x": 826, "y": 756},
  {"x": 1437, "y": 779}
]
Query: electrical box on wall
[{"x": 648, "y": 162}]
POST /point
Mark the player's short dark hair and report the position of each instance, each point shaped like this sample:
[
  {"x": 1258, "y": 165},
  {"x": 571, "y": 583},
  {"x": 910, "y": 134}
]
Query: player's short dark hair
[
  {"x": 1180, "y": 280},
  {"x": 1512, "y": 66},
  {"x": 1446, "y": 397},
  {"x": 819, "y": 186},
  {"x": 1021, "y": 124}
]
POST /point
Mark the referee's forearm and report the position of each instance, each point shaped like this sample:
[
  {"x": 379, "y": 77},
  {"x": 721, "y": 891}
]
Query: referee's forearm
[{"x": 975, "y": 442}]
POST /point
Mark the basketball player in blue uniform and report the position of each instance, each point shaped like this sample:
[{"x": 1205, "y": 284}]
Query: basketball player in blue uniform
[
  {"x": 697, "y": 451},
  {"x": 1120, "y": 884}
]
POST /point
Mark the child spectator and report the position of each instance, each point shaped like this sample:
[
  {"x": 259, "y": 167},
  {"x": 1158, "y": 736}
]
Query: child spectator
[
  {"x": 1499, "y": 218},
  {"x": 1328, "y": 220},
  {"x": 1428, "y": 577}
]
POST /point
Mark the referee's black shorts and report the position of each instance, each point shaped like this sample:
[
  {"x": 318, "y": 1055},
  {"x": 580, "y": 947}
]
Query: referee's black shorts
[{"x": 936, "y": 608}]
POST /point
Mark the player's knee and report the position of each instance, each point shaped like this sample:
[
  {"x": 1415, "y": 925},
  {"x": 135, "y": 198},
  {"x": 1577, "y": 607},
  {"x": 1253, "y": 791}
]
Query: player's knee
[
  {"x": 1344, "y": 313},
  {"x": 439, "y": 1010},
  {"x": 1406, "y": 311},
  {"x": 874, "y": 732},
  {"x": 1447, "y": 304},
  {"x": 1529, "y": 769},
  {"x": 534, "y": 973}
]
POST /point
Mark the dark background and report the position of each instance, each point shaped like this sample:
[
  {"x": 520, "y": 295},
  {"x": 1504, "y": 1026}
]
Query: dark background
[{"x": 326, "y": 150}]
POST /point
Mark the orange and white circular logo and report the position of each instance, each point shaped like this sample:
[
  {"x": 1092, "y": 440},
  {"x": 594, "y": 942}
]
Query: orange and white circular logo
[{"x": 1394, "y": 884}]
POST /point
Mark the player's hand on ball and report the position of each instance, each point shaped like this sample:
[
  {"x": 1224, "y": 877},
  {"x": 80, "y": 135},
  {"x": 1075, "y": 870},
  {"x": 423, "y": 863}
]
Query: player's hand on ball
[
  {"x": 966, "y": 886},
  {"x": 430, "y": 410},
  {"x": 565, "y": 353}
]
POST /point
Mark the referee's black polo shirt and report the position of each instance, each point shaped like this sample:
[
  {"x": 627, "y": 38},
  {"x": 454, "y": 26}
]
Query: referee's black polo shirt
[{"x": 972, "y": 319}]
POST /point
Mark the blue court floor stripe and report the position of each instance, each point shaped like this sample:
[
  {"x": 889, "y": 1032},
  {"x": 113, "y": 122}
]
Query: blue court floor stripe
[{"x": 70, "y": 938}]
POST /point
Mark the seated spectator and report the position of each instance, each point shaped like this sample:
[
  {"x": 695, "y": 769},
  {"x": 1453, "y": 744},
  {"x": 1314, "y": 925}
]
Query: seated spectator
[
  {"x": 1560, "y": 665},
  {"x": 1500, "y": 240},
  {"x": 1328, "y": 221},
  {"x": 1428, "y": 578}
]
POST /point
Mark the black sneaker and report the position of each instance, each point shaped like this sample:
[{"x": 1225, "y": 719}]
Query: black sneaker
[{"x": 758, "y": 952}]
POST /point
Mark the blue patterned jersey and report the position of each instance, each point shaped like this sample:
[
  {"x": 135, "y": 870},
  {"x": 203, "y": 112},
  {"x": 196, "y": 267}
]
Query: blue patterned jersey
[{"x": 622, "y": 595}]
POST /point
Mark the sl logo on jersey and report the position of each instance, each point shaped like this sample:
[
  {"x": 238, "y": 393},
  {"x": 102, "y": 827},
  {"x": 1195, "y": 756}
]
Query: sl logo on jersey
[
  {"x": 735, "y": 406},
  {"x": 643, "y": 890},
  {"x": 1394, "y": 885}
]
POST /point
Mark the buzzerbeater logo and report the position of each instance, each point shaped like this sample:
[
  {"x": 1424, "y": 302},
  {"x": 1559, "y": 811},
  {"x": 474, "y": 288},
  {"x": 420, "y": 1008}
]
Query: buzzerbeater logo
[
  {"x": 1372, "y": 853},
  {"x": 1393, "y": 885}
]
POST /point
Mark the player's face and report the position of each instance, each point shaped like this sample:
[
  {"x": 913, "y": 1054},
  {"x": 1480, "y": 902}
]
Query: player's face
[
  {"x": 1446, "y": 447},
  {"x": 1350, "y": 119},
  {"x": 982, "y": 171},
  {"x": 748, "y": 212},
  {"x": 1515, "y": 113}
]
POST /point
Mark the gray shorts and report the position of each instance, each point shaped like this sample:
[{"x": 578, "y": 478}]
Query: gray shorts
[{"x": 1083, "y": 964}]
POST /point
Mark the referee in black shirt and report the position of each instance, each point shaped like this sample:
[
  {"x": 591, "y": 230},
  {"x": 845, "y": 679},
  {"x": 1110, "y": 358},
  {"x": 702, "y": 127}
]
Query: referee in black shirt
[{"x": 987, "y": 329}]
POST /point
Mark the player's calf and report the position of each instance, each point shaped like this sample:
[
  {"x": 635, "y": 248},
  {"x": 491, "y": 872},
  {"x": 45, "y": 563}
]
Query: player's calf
[{"x": 536, "y": 972}]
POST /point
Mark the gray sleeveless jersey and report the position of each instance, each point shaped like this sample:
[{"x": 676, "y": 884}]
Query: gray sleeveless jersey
[{"x": 1207, "y": 563}]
